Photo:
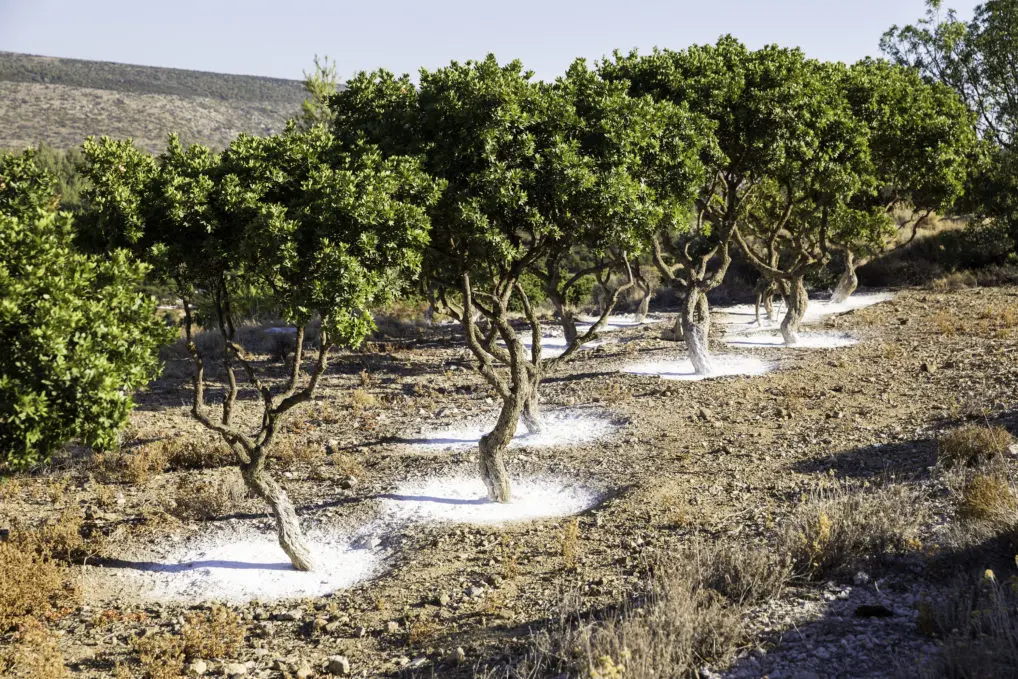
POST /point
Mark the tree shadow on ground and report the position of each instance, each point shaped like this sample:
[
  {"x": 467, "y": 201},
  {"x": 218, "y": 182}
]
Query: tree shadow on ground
[{"x": 911, "y": 459}]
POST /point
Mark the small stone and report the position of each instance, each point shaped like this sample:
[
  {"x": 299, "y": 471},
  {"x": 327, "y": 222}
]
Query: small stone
[
  {"x": 459, "y": 656},
  {"x": 861, "y": 578},
  {"x": 235, "y": 669},
  {"x": 331, "y": 447},
  {"x": 304, "y": 671},
  {"x": 705, "y": 414},
  {"x": 444, "y": 599},
  {"x": 348, "y": 483},
  {"x": 361, "y": 632},
  {"x": 333, "y": 627},
  {"x": 392, "y": 627},
  {"x": 198, "y": 668},
  {"x": 292, "y": 615},
  {"x": 475, "y": 592},
  {"x": 338, "y": 666}
]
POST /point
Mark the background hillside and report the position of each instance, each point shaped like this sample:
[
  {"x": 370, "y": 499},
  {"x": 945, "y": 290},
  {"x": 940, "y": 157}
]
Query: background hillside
[{"x": 59, "y": 102}]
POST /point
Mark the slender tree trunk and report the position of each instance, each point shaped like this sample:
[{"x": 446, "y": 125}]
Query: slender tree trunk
[
  {"x": 768, "y": 303},
  {"x": 848, "y": 282},
  {"x": 797, "y": 299},
  {"x": 291, "y": 538},
  {"x": 695, "y": 320},
  {"x": 644, "y": 307},
  {"x": 493, "y": 446},
  {"x": 566, "y": 318},
  {"x": 532, "y": 418}
]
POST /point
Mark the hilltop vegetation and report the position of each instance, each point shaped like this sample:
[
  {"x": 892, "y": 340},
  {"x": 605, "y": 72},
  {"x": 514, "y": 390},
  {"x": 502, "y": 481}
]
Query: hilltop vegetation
[{"x": 59, "y": 102}]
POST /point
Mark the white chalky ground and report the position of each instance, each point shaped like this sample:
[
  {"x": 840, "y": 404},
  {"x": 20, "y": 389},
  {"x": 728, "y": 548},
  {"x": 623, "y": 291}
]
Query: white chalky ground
[
  {"x": 238, "y": 566},
  {"x": 807, "y": 340},
  {"x": 816, "y": 310},
  {"x": 463, "y": 498},
  {"x": 682, "y": 368},
  {"x": 621, "y": 322},
  {"x": 564, "y": 427}
]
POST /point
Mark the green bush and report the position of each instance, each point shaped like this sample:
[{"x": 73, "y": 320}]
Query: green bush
[{"x": 77, "y": 338}]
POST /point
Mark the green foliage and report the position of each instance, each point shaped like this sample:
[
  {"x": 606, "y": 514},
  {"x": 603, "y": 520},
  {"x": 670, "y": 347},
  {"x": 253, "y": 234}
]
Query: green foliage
[
  {"x": 320, "y": 84},
  {"x": 976, "y": 60},
  {"x": 302, "y": 224},
  {"x": 78, "y": 338}
]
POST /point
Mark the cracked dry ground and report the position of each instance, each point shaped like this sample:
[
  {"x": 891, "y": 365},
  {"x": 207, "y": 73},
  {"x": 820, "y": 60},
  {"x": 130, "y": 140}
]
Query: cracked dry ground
[{"x": 719, "y": 458}]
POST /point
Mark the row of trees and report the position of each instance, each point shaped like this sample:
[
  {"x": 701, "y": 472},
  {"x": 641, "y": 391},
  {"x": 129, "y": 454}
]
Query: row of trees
[{"x": 491, "y": 193}]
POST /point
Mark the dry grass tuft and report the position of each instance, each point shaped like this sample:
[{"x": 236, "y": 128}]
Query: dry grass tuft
[
  {"x": 361, "y": 399},
  {"x": 134, "y": 467},
  {"x": 744, "y": 576},
  {"x": 67, "y": 538},
  {"x": 837, "y": 526},
  {"x": 34, "y": 586},
  {"x": 202, "y": 498},
  {"x": 989, "y": 497},
  {"x": 210, "y": 635},
  {"x": 953, "y": 282},
  {"x": 214, "y": 634},
  {"x": 972, "y": 444},
  {"x": 679, "y": 627},
  {"x": 978, "y": 625},
  {"x": 946, "y": 323},
  {"x": 35, "y": 654}
]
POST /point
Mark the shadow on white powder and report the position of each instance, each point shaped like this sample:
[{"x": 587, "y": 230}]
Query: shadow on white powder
[
  {"x": 807, "y": 340},
  {"x": 238, "y": 566},
  {"x": 463, "y": 498},
  {"x": 562, "y": 428},
  {"x": 682, "y": 368}
]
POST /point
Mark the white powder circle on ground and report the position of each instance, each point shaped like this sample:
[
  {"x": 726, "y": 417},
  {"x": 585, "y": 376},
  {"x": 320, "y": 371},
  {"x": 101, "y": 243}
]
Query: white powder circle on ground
[
  {"x": 464, "y": 499},
  {"x": 682, "y": 368},
  {"x": 566, "y": 427},
  {"x": 239, "y": 566},
  {"x": 554, "y": 345},
  {"x": 620, "y": 322},
  {"x": 743, "y": 316},
  {"x": 807, "y": 340}
]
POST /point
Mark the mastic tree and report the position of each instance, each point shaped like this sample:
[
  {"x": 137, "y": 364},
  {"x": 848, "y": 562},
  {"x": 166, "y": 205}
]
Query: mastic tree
[
  {"x": 78, "y": 338},
  {"x": 788, "y": 231},
  {"x": 326, "y": 231},
  {"x": 744, "y": 95},
  {"x": 976, "y": 58},
  {"x": 921, "y": 140},
  {"x": 539, "y": 177}
]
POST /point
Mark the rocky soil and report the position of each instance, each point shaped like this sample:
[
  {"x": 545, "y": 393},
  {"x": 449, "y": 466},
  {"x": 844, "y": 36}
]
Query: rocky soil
[{"x": 727, "y": 457}]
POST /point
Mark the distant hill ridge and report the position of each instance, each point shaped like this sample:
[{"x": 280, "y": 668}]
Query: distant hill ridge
[
  {"x": 61, "y": 101},
  {"x": 108, "y": 75}
]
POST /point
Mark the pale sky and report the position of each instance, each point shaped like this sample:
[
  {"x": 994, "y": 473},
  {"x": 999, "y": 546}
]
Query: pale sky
[{"x": 280, "y": 37}]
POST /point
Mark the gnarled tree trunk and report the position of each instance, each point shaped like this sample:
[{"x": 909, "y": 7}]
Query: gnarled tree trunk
[
  {"x": 848, "y": 282},
  {"x": 492, "y": 449},
  {"x": 796, "y": 299},
  {"x": 532, "y": 418},
  {"x": 695, "y": 320},
  {"x": 291, "y": 538}
]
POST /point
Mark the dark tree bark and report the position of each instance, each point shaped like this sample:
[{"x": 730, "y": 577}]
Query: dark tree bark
[
  {"x": 695, "y": 320},
  {"x": 797, "y": 302},
  {"x": 848, "y": 282},
  {"x": 291, "y": 538}
]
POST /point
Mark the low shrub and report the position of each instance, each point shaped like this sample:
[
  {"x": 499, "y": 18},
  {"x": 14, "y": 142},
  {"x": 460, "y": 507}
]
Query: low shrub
[
  {"x": 202, "y": 498},
  {"x": 34, "y": 585},
  {"x": 210, "y": 635},
  {"x": 989, "y": 497},
  {"x": 837, "y": 526},
  {"x": 972, "y": 444},
  {"x": 977, "y": 623},
  {"x": 35, "y": 654}
]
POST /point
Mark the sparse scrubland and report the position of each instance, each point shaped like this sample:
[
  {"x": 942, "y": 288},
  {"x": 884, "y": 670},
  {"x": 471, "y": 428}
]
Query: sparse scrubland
[{"x": 364, "y": 306}]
